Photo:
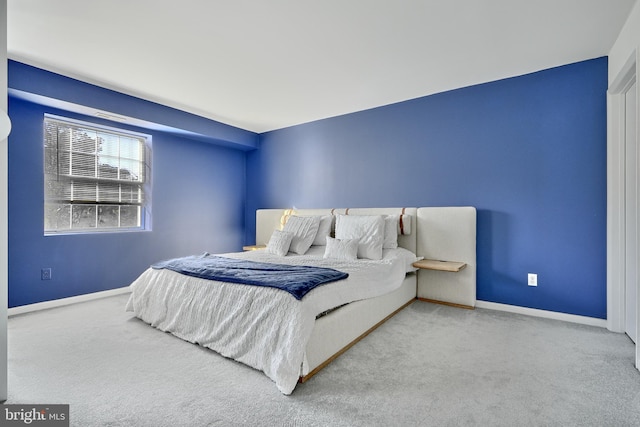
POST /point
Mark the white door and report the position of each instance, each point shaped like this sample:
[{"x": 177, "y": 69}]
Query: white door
[{"x": 631, "y": 215}]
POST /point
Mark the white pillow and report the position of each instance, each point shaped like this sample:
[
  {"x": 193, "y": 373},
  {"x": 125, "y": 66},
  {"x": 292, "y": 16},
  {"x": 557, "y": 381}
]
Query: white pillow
[
  {"x": 368, "y": 228},
  {"x": 407, "y": 257},
  {"x": 341, "y": 249},
  {"x": 391, "y": 231},
  {"x": 324, "y": 230},
  {"x": 304, "y": 230},
  {"x": 279, "y": 242}
]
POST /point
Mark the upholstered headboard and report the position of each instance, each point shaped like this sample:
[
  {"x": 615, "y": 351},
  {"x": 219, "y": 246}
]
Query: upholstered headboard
[
  {"x": 268, "y": 220},
  {"x": 437, "y": 233},
  {"x": 448, "y": 234}
]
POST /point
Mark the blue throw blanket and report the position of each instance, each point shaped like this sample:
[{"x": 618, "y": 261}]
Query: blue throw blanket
[{"x": 297, "y": 280}]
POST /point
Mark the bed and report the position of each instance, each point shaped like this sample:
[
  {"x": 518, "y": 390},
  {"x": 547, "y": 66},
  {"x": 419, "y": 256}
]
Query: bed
[{"x": 286, "y": 338}]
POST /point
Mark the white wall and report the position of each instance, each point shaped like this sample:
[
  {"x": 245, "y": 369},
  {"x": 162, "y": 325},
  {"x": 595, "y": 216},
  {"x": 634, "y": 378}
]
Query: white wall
[
  {"x": 628, "y": 40},
  {"x": 4, "y": 207}
]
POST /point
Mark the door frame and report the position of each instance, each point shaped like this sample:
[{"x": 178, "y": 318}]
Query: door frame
[{"x": 616, "y": 197}]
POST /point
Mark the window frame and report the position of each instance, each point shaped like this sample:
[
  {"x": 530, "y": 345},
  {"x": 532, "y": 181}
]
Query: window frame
[{"x": 144, "y": 205}]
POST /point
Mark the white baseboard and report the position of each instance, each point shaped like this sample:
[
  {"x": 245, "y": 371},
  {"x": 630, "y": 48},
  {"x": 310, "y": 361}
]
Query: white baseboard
[
  {"x": 584, "y": 320},
  {"x": 65, "y": 301}
]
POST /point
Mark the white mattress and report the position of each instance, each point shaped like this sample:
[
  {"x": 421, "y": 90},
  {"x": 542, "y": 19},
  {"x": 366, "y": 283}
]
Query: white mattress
[{"x": 262, "y": 327}]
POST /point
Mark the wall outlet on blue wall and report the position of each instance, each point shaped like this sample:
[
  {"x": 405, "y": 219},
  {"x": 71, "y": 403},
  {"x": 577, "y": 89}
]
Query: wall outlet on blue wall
[
  {"x": 45, "y": 274},
  {"x": 533, "y": 279}
]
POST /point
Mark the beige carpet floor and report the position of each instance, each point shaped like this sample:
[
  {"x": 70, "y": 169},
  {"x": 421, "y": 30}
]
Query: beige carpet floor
[{"x": 430, "y": 365}]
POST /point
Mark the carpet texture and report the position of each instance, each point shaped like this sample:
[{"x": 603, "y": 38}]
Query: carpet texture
[{"x": 429, "y": 365}]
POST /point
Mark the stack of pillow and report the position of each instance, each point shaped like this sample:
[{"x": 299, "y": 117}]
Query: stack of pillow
[{"x": 356, "y": 236}]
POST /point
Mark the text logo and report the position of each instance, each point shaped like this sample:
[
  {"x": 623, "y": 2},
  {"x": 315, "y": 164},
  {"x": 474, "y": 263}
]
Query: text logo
[{"x": 35, "y": 415}]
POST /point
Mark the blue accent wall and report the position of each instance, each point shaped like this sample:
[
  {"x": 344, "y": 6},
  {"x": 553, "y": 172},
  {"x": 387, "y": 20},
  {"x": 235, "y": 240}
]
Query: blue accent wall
[
  {"x": 32, "y": 80},
  {"x": 528, "y": 152},
  {"x": 199, "y": 191}
]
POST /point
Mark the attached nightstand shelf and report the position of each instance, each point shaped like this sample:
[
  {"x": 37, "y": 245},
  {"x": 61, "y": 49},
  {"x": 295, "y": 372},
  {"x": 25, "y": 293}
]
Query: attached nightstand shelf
[
  {"x": 433, "y": 264},
  {"x": 253, "y": 247},
  {"x": 446, "y": 266}
]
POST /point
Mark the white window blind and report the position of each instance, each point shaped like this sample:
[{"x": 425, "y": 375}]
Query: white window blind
[{"x": 95, "y": 178}]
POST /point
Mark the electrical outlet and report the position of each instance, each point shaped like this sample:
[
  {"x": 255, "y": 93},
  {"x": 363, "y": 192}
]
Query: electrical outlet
[
  {"x": 532, "y": 279},
  {"x": 45, "y": 274}
]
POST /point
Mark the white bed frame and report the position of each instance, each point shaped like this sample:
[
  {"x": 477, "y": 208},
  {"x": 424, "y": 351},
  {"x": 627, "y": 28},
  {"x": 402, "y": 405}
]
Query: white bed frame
[{"x": 437, "y": 233}]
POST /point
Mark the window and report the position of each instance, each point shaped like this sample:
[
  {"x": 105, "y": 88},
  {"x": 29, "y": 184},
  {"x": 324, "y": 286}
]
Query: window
[{"x": 95, "y": 178}]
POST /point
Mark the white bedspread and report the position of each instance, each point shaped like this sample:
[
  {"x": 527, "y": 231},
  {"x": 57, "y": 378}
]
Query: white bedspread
[{"x": 265, "y": 328}]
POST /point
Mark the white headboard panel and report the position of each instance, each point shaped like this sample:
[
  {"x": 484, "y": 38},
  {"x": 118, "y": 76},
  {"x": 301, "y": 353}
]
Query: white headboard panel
[
  {"x": 268, "y": 220},
  {"x": 448, "y": 234},
  {"x": 439, "y": 233}
]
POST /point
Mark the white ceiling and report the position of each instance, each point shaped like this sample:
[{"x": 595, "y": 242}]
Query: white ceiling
[{"x": 267, "y": 64}]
